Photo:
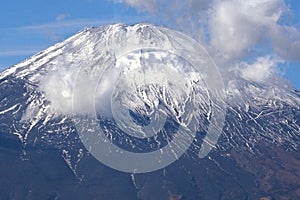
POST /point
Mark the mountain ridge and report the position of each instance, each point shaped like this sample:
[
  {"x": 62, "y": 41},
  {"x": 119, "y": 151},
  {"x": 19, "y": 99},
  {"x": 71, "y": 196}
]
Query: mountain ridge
[{"x": 258, "y": 116}]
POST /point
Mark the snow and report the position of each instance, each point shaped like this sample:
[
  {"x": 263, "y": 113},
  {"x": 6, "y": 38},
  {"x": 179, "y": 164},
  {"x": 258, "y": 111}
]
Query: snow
[
  {"x": 9, "y": 109},
  {"x": 69, "y": 72}
]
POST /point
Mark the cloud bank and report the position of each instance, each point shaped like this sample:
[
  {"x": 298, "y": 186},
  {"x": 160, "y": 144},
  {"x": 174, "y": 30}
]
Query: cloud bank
[
  {"x": 247, "y": 39},
  {"x": 234, "y": 31}
]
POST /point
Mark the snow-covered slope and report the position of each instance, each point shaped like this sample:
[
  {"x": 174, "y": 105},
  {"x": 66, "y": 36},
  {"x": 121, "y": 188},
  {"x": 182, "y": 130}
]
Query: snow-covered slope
[
  {"x": 41, "y": 98},
  {"x": 37, "y": 95}
]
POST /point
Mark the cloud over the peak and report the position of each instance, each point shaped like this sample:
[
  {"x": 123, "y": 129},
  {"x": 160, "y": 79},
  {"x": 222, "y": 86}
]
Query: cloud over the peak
[
  {"x": 237, "y": 25},
  {"x": 235, "y": 30},
  {"x": 260, "y": 70}
]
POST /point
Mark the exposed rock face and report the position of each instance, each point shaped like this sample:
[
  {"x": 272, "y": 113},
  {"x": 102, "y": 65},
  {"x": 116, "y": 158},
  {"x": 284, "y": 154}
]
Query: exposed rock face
[{"x": 257, "y": 155}]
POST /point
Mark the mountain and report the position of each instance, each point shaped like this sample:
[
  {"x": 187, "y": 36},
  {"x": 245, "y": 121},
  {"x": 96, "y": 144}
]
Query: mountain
[{"x": 47, "y": 101}]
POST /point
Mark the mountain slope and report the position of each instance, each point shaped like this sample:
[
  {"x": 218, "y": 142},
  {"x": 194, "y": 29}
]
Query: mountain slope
[{"x": 257, "y": 152}]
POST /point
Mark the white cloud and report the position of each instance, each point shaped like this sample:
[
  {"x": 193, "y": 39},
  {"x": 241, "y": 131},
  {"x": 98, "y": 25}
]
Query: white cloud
[
  {"x": 259, "y": 71},
  {"x": 232, "y": 30},
  {"x": 58, "y": 88},
  {"x": 149, "y": 5},
  {"x": 240, "y": 24},
  {"x": 232, "y": 26}
]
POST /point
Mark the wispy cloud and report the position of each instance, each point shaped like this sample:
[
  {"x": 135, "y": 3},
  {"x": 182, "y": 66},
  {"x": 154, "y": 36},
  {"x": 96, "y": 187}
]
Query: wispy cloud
[
  {"x": 61, "y": 17},
  {"x": 234, "y": 31},
  {"x": 57, "y": 30},
  {"x": 72, "y": 23},
  {"x": 43, "y": 35},
  {"x": 64, "y": 24},
  {"x": 18, "y": 52}
]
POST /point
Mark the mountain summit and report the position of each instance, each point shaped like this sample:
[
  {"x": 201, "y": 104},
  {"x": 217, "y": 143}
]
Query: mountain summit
[{"x": 44, "y": 156}]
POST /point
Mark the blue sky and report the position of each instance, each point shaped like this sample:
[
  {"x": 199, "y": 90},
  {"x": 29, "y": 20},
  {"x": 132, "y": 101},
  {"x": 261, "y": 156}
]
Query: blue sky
[{"x": 27, "y": 27}]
